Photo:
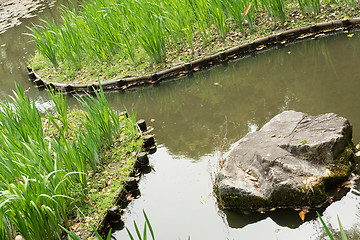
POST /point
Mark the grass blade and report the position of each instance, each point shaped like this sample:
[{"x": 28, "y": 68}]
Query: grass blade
[
  {"x": 148, "y": 223},
  {"x": 343, "y": 234},
  {"x": 325, "y": 227}
]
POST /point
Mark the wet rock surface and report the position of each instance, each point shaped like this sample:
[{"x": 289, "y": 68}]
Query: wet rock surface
[{"x": 292, "y": 161}]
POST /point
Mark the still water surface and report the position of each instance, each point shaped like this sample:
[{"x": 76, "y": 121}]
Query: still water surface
[
  {"x": 192, "y": 115},
  {"x": 196, "y": 117}
]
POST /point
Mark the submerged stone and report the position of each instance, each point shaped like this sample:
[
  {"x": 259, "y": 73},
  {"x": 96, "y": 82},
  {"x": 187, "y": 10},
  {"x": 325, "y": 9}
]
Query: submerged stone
[{"x": 292, "y": 161}]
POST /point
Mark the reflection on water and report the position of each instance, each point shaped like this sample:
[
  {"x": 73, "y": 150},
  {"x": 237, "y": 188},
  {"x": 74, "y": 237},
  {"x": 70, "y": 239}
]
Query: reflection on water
[
  {"x": 315, "y": 77},
  {"x": 211, "y": 110},
  {"x": 16, "y": 46}
]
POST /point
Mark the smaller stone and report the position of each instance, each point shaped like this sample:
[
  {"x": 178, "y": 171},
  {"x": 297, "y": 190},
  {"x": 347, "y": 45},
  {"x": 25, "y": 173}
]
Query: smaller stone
[
  {"x": 149, "y": 141},
  {"x": 19, "y": 237},
  {"x": 142, "y": 125},
  {"x": 253, "y": 179},
  {"x": 143, "y": 159}
]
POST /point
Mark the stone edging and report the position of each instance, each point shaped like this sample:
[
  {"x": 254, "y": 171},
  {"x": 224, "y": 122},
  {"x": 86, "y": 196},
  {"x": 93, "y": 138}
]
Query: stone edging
[
  {"x": 122, "y": 199},
  {"x": 258, "y": 45}
]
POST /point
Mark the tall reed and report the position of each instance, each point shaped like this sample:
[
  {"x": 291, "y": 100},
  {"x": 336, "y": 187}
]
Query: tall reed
[
  {"x": 103, "y": 29},
  {"x": 46, "y": 41},
  {"x": 40, "y": 164}
]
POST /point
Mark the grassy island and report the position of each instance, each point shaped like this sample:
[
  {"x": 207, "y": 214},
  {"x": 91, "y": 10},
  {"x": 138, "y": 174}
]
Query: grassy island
[
  {"x": 107, "y": 39},
  {"x": 63, "y": 168}
]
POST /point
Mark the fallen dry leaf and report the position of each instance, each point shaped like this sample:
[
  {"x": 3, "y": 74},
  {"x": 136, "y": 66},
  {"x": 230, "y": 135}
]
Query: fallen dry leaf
[
  {"x": 247, "y": 9},
  {"x": 302, "y": 215},
  {"x": 129, "y": 197}
]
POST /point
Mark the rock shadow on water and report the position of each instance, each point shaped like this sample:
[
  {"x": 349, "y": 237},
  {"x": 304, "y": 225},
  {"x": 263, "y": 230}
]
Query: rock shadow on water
[{"x": 284, "y": 217}]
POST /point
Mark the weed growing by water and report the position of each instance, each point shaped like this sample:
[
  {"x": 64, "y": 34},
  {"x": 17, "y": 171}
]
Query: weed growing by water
[
  {"x": 48, "y": 162},
  {"x": 342, "y": 232},
  {"x": 147, "y": 226},
  {"x": 121, "y": 35}
]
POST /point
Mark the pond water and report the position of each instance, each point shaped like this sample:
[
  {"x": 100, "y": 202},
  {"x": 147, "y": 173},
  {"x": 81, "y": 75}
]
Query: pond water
[
  {"x": 194, "y": 115},
  {"x": 197, "y": 119}
]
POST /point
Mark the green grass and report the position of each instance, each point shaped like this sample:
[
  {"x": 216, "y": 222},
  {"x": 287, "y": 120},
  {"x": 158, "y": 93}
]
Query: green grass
[
  {"x": 342, "y": 232},
  {"x": 108, "y": 38},
  {"x": 52, "y": 165},
  {"x": 144, "y": 235}
]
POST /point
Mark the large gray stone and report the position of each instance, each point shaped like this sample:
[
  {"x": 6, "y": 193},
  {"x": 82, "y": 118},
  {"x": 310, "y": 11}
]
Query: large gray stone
[{"x": 291, "y": 161}]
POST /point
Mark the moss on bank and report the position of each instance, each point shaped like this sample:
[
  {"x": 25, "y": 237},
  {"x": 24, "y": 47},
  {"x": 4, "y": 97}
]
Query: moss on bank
[
  {"x": 116, "y": 164},
  {"x": 178, "y": 53}
]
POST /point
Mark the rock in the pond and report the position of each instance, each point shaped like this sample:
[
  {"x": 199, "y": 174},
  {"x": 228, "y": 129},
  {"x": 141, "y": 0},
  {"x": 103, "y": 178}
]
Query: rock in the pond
[{"x": 292, "y": 161}]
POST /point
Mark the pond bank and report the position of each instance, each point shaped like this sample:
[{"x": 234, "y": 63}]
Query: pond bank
[
  {"x": 66, "y": 169},
  {"x": 122, "y": 45},
  {"x": 114, "y": 184},
  {"x": 231, "y": 54}
]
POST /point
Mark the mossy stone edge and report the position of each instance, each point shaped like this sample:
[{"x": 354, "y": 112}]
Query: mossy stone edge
[{"x": 223, "y": 57}]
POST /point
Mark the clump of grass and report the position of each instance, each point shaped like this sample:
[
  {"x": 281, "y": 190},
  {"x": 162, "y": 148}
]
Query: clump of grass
[
  {"x": 147, "y": 226},
  {"x": 112, "y": 32},
  {"x": 43, "y": 158}
]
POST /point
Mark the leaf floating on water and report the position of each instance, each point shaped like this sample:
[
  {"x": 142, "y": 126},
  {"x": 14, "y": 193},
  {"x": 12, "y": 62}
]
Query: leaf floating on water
[
  {"x": 272, "y": 209},
  {"x": 350, "y": 35},
  {"x": 302, "y": 215}
]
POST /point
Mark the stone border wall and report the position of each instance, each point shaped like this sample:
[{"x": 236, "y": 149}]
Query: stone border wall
[
  {"x": 112, "y": 217},
  {"x": 258, "y": 45}
]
